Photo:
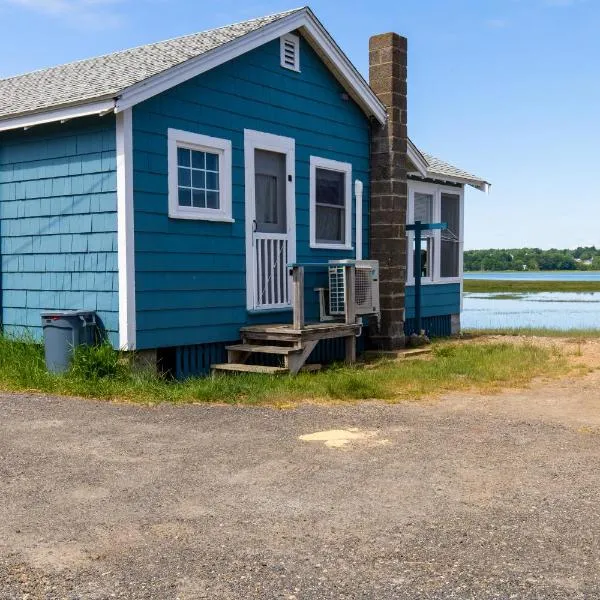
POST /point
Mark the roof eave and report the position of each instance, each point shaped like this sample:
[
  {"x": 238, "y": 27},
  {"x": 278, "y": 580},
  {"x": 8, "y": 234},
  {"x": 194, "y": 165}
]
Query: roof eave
[
  {"x": 417, "y": 159},
  {"x": 65, "y": 112},
  {"x": 478, "y": 184},
  {"x": 304, "y": 19}
]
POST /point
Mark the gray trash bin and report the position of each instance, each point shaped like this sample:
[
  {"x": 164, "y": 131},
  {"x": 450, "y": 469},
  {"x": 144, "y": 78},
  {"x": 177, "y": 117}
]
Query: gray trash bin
[{"x": 63, "y": 331}]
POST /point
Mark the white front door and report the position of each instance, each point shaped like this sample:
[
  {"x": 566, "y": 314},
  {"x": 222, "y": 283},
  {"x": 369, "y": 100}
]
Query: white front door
[{"x": 270, "y": 219}]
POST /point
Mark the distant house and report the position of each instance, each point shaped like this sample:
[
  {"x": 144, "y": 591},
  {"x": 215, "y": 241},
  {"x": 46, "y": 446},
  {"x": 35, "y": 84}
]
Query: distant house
[{"x": 168, "y": 187}]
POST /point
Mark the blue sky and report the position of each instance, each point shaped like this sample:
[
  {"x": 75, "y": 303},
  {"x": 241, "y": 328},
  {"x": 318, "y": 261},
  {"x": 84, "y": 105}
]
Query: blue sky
[{"x": 507, "y": 89}]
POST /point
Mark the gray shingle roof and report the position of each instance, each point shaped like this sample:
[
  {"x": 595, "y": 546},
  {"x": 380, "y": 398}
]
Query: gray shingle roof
[
  {"x": 440, "y": 168},
  {"x": 108, "y": 76}
]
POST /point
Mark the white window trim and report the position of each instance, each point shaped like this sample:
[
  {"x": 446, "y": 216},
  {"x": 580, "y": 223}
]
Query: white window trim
[
  {"x": 203, "y": 143},
  {"x": 294, "y": 39},
  {"x": 436, "y": 190},
  {"x": 316, "y": 162}
]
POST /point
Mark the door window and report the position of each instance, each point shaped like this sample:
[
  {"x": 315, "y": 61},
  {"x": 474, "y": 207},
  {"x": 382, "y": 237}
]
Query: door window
[{"x": 270, "y": 191}]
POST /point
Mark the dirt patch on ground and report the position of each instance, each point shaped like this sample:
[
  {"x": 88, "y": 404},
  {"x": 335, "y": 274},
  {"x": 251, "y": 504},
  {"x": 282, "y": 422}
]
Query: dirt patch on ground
[
  {"x": 570, "y": 399},
  {"x": 471, "y": 496},
  {"x": 341, "y": 438}
]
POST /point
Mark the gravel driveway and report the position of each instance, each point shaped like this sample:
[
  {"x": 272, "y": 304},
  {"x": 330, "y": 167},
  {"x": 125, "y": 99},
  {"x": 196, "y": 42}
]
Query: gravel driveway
[{"x": 465, "y": 497}]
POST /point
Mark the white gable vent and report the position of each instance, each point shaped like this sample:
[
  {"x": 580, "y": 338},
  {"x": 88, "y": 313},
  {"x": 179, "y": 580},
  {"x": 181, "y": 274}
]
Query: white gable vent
[{"x": 290, "y": 52}]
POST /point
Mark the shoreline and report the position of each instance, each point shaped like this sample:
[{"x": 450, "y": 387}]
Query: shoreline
[{"x": 522, "y": 285}]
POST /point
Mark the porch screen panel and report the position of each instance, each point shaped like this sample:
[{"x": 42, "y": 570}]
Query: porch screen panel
[
  {"x": 450, "y": 250},
  {"x": 423, "y": 211}
]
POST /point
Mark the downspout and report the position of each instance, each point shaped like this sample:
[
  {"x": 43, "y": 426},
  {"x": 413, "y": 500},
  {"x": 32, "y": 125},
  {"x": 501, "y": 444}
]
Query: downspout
[{"x": 358, "y": 193}]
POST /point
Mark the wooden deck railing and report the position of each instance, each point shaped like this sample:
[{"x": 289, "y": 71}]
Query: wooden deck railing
[{"x": 297, "y": 271}]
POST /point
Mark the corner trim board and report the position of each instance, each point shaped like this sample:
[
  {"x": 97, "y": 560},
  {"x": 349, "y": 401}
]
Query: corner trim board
[{"x": 125, "y": 231}]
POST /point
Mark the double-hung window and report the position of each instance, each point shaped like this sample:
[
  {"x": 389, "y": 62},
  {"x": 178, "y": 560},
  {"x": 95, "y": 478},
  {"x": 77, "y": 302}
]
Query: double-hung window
[
  {"x": 330, "y": 204},
  {"x": 441, "y": 250},
  {"x": 199, "y": 176}
]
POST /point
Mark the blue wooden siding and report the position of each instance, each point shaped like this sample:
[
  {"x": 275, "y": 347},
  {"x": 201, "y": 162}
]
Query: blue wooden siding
[
  {"x": 190, "y": 275},
  {"x": 58, "y": 222},
  {"x": 437, "y": 300}
]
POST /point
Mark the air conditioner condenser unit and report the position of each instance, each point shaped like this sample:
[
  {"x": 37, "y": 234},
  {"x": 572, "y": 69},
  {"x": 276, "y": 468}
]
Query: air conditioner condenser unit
[{"x": 366, "y": 287}]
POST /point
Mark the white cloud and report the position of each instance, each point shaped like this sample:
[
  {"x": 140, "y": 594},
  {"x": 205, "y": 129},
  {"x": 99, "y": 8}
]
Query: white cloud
[{"x": 91, "y": 14}]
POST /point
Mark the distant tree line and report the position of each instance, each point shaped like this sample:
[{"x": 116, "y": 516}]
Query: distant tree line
[{"x": 533, "y": 259}]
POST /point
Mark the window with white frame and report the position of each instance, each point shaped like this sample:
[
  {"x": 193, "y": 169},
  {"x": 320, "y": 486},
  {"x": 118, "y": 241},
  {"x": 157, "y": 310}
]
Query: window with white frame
[
  {"x": 441, "y": 251},
  {"x": 330, "y": 204},
  {"x": 423, "y": 211},
  {"x": 290, "y": 52},
  {"x": 199, "y": 176},
  {"x": 450, "y": 237}
]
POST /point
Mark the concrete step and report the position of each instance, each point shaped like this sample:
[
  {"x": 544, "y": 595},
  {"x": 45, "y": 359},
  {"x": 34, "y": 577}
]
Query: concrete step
[
  {"x": 242, "y": 368},
  {"x": 404, "y": 353}
]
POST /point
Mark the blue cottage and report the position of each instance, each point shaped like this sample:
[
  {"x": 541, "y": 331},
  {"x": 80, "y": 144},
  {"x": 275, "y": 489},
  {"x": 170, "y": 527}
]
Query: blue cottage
[{"x": 169, "y": 188}]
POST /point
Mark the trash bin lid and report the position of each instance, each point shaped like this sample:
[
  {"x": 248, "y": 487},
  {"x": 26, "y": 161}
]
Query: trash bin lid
[{"x": 66, "y": 313}]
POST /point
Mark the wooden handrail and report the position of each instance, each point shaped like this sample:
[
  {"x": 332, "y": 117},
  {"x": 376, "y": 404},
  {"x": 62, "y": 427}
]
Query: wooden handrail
[
  {"x": 349, "y": 306},
  {"x": 298, "y": 296},
  {"x": 297, "y": 272}
]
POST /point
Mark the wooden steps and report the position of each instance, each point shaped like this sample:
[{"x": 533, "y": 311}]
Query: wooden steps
[
  {"x": 263, "y": 349},
  {"x": 242, "y": 368},
  {"x": 293, "y": 346},
  {"x": 287, "y": 333}
]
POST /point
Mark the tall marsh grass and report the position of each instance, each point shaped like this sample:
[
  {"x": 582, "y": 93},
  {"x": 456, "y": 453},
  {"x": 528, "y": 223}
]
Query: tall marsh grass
[{"x": 528, "y": 286}]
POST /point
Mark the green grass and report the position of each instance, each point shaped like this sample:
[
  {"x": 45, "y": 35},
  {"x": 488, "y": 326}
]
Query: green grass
[
  {"x": 534, "y": 332},
  {"x": 100, "y": 373},
  {"x": 496, "y": 285}
]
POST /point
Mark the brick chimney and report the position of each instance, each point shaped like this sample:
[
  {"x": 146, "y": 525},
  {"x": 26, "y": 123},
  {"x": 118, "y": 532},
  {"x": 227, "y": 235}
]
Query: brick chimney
[{"x": 389, "y": 193}]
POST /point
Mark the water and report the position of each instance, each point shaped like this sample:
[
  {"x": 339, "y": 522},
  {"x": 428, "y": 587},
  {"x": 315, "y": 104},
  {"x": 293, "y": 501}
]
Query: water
[
  {"x": 536, "y": 275},
  {"x": 553, "y": 310}
]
